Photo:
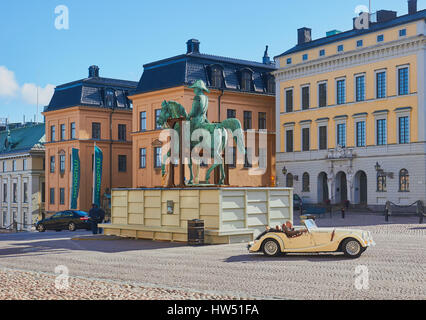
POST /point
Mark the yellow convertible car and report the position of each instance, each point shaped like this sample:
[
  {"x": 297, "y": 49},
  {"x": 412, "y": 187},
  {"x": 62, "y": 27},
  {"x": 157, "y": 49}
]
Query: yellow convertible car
[{"x": 309, "y": 239}]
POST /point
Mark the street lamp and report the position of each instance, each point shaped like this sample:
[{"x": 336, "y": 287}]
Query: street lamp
[
  {"x": 284, "y": 171},
  {"x": 377, "y": 167}
]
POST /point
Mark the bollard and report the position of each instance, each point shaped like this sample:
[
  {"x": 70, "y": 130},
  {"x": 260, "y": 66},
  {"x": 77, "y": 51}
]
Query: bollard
[
  {"x": 343, "y": 213},
  {"x": 15, "y": 226},
  {"x": 387, "y": 215}
]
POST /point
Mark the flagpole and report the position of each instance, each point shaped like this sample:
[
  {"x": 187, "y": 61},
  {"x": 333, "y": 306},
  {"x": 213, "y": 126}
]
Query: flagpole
[{"x": 94, "y": 172}]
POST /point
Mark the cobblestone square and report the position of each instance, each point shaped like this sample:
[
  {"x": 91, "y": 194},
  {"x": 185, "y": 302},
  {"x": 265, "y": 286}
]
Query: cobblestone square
[{"x": 110, "y": 268}]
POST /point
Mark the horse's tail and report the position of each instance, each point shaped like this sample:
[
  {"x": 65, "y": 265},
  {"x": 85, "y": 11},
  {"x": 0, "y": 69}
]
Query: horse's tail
[{"x": 235, "y": 126}]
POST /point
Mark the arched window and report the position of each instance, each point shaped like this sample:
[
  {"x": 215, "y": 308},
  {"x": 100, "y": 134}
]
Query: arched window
[
  {"x": 216, "y": 76},
  {"x": 246, "y": 80},
  {"x": 305, "y": 182},
  {"x": 289, "y": 180},
  {"x": 404, "y": 181},
  {"x": 381, "y": 182}
]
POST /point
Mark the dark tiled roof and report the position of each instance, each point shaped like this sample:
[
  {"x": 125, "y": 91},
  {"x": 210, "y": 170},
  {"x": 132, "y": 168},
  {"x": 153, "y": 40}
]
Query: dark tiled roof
[
  {"x": 91, "y": 92},
  {"x": 187, "y": 68},
  {"x": 355, "y": 32},
  {"x": 22, "y": 139}
]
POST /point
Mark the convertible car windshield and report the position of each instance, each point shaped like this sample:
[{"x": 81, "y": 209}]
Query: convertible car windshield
[{"x": 310, "y": 224}]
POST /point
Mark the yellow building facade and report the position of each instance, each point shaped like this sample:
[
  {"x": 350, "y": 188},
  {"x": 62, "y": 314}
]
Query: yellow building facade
[{"x": 351, "y": 112}]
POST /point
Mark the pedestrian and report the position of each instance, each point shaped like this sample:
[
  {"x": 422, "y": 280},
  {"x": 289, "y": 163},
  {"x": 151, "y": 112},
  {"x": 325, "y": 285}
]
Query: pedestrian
[
  {"x": 94, "y": 217},
  {"x": 101, "y": 219}
]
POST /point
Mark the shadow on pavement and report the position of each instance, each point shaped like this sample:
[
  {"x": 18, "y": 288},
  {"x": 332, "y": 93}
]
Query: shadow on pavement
[{"x": 287, "y": 258}]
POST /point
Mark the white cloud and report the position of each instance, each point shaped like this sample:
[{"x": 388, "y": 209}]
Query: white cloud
[
  {"x": 29, "y": 93},
  {"x": 8, "y": 85}
]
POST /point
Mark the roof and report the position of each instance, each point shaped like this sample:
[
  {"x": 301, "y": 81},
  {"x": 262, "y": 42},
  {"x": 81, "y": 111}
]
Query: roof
[
  {"x": 187, "y": 68},
  {"x": 374, "y": 27},
  {"x": 91, "y": 92},
  {"x": 22, "y": 139}
]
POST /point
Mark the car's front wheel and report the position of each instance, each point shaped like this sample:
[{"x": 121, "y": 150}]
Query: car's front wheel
[
  {"x": 41, "y": 228},
  {"x": 72, "y": 226},
  {"x": 271, "y": 248},
  {"x": 352, "y": 248}
]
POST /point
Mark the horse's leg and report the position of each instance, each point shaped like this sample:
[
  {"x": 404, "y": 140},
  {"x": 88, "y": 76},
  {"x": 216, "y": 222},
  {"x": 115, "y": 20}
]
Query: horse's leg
[{"x": 190, "y": 182}]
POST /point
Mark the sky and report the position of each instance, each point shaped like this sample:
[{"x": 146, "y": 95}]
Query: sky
[{"x": 36, "y": 51}]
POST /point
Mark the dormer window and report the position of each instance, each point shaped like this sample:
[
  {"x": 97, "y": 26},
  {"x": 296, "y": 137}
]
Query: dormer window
[
  {"x": 269, "y": 83},
  {"x": 109, "y": 98},
  {"x": 246, "y": 80},
  {"x": 216, "y": 77}
]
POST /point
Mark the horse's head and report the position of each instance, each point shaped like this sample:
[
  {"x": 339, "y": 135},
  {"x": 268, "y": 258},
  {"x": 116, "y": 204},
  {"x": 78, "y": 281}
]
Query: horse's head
[{"x": 164, "y": 114}]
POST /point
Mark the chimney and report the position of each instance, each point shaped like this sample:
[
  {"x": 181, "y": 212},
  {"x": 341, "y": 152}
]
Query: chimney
[
  {"x": 304, "y": 35},
  {"x": 412, "y": 6},
  {"x": 266, "y": 59},
  {"x": 193, "y": 46},
  {"x": 93, "y": 72},
  {"x": 385, "y": 15}
]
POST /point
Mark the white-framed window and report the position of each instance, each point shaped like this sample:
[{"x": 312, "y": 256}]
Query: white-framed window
[
  {"x": 381, "y": 127},
  {"x": 360, "y": 87},
  {"x": 340, "y": 90},
  {"x": 380, "y": 83},
  {"x": 305, "y": 96},
  {"x": 322, "y": 94},
  {"x": 403, "y": 80},
  {"x": 289, "y": 99}
]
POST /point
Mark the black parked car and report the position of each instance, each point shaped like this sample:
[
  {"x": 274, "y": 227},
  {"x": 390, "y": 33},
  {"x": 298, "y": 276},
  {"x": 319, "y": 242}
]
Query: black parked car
[{"x": 65, "y": 220}]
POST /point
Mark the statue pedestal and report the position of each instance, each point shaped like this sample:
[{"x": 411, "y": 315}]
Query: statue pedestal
[{"x": 230, "y": 215}]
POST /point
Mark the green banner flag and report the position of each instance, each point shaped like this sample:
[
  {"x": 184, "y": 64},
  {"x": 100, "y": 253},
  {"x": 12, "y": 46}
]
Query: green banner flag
[
  {"x": 75, "y": 177},
  {"x": 97, "y": 176}
]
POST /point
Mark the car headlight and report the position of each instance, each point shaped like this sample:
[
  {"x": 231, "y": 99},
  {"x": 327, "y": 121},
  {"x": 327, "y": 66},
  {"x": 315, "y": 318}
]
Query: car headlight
[{"x": 366, "y": 235}]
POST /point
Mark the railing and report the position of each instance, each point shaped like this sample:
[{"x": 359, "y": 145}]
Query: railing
[{"x": 392, "y": 207}]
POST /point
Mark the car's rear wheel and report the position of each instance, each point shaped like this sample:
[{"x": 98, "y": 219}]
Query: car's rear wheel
[
  {"x": 72, "y": 226},
  {"x": 271, "y": 248},
  {"x": 41, "y": 228},
  {"x": 352, "y": 248}
]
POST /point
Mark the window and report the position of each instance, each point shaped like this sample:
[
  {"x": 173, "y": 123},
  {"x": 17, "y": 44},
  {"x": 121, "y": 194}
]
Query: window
[
  {"x": 289, "y": 141},
  {"x": 62, "y": 163},
  {"x": 288, "y": 60},
  {"x": 62, "y": 196},
  {"x": 404, "y": 181},
  {"x": 359, "y": 43},
  {"x": 14, "y": 165},
  {"x": 360, "y": 134},
  {"x": 142, "y": 158},
  {"x": 4, "y": 219},
  {"x": 381, "y": 132},
  {"x": 157, "y": 158},
  {"x": 142, "y": 117},
  {"x": 216, "y": 77},
  {"x": 289, "y": 180},
  {"x": 289, "y": 100},
  {"x": 305, "y": 98},
  {"x": 25, "y": 164},
  {"x": 62, "y": 137},
  {"x": 231, "y": 114},
  {"x": 233, "y": 164},
  {"x": 270, "y": 84},
  {"x": 246, "y": 81},
  {"x": 5, "y": 192},
  {"x": 305, "y": 182},
  {"x": 360, "y": 88},
  {"x": 52, "y": 196},
  {"x": 305, "y": 57},
  {"x": 52, "y": 133},
  {"x": 323, "y": 138},
  {"x": 72, "y": 130},
  {"x": 380, "y": 38},
  {"x": 122, "y": 163},
  {"x": 247, "y": 120},
  {"x": 381, "y": 85},
  {"x": 262, "y": 120},
  {"x": 402, "y": 32},
  {"x": 322, "y": 53},
  {"x": 14, "y": 193},
  {"x": 322, "y": 94},
  {"x": 340, "y": 48},
  {"x": 109, "y": 98},
  {"x": 341, "y": 135},
  {"x": 4, "y": 166},
  {"x": 305, "y": 139},
  {"x": 96, "y": 130},
  {"x": 52, "y": 164},
  {"x": 341, "y": 91},
  {"x": 381, "y": 182},
  {"x": 43, "y": 192},
  {"x": 404, "y": 130},
  {"x": 122, "y": 132},
  {"x": 157, "y": 116},
  {"x": 403, "y": 81}
]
